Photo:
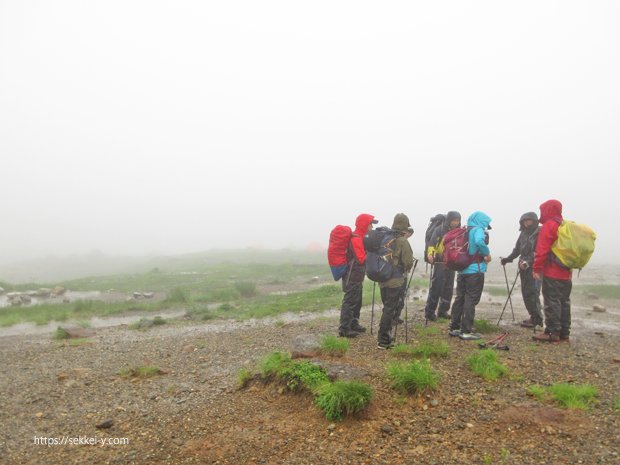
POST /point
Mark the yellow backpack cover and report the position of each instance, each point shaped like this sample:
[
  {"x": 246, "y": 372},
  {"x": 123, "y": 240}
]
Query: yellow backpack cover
[{"x": 575, "y": 244}]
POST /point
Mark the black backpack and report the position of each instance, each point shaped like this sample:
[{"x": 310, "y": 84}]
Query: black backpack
[
  {"x": 379, "y": 263},
  {"x": 436, "y": 222}
]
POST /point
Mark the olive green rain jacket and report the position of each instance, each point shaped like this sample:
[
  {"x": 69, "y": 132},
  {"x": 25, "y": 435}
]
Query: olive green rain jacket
[{"x": 402, "y": 256}]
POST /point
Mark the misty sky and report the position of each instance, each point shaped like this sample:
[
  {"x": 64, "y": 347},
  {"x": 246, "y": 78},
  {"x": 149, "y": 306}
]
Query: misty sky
[{"x": 135, "y": 127}]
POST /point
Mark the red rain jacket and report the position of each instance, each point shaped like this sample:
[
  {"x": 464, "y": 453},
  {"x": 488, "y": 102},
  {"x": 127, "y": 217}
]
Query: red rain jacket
[{"x": 544, "y": 263}]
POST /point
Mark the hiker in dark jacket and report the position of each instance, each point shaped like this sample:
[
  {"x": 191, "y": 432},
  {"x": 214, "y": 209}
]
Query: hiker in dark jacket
[
  {"x": 557, "y": 281},
  {"x": 352, "y": 282},
  {"x": 525, "y": 249},
  {"x": 470, "y": 281},
  {"x": 392, "y": 290},
  {"x": 442, "y": 279}
]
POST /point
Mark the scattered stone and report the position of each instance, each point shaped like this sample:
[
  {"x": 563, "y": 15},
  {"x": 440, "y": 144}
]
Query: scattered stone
[
  {"x": 76, "y": 333},
  {"x": 387, "y": 429},
  {"x": 105, "y": 424},
  {"x": 138, "y": 295},
  {"x": 469, "y": 425},
  {"x": 598, "y": 309},
  {"x": 26, "y": 299},
  {"x": 331, "y": 427},
  {"x": 305, "y": 346},
  {"x": 31, "y": 293},
  {"x": 434, "y": 403},
  {"x": 148, "y": 295},
  {"x": 58, "y": 290}
]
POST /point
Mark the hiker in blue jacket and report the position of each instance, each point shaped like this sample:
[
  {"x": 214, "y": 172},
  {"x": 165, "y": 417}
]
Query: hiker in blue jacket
[{"x": 470, "y": 281}]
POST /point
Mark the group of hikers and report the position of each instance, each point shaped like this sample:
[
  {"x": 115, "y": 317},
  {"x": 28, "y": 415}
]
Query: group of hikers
[{"x": 390, "y": 254}]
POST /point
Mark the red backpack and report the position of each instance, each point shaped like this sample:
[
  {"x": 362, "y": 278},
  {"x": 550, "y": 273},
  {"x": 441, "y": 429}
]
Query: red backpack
[
  {"x": 339, "y": 240},
  {"x": 456, "y": 249}
]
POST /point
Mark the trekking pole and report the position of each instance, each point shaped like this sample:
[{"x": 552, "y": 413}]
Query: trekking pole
[
  {"x": 430, "y": 282},
  {"x": 372, "y": 309},
  {"x": 415, "y": 264},
  {"x": 506, "y": 277},
  {"x": 509, "y": 292}
]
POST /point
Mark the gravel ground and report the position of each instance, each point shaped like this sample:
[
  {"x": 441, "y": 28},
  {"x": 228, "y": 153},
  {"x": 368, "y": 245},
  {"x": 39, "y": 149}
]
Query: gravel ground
[{"x": 193, "y": 412}]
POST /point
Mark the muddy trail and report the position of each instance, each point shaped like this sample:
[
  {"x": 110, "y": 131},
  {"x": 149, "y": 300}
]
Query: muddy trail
[{"x": 192, "y": 410}]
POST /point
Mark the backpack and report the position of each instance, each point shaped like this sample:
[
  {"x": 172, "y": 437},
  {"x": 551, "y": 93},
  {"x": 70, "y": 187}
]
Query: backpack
[
  {"x": 574, "y": 245},
  {"x": 436, "y": 222},
  {"x": 456, "y": 249},
  {"x": 379, "y": 263},
  {"x": 339, "y": 239}
]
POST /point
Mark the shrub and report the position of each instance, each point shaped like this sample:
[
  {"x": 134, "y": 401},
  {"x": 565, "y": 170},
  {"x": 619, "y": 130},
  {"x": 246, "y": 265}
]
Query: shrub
[
  {"x": 333, "y": 345},
  {"x": 177, "y": 295},
  {"x": 61, "y": 333},
  {"x": 484, "y": 363},
  {"x": 536, "y": 391},
  {"x": 343, "y": 398},
  {"x": 304, "y": 375},
  {"x": 413, "y": 377},
  {"x": 246, "y": 288}
]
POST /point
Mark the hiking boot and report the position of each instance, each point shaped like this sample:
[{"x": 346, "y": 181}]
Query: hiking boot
[
  {"x": 358, "y": 327},
  {"x": 431, "y": 317},
  {"x": 527, "y": 323},
  {"x": 384, "y": 346},
  {"x": 443, "y": 315},
  {"x": 564, "y": 338},
  {"x": 455, "y": 332},
  {"x": 544, "y": 337},
  {"x": 348, "y": 333},
  {"x": 469, "y": 336}
]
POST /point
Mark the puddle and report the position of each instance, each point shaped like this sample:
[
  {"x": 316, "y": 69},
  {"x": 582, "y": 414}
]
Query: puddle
[{"x": 27, "y": 329}]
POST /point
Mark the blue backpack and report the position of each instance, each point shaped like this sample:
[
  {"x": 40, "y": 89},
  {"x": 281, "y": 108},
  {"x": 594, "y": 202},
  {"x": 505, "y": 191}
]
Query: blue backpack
[{"x": 379, "y": 255}]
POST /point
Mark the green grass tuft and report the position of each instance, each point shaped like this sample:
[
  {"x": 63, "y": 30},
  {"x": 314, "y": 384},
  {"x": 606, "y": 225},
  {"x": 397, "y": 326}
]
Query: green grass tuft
[
  {"x": 413, "y": 377},
  {"x": 246, "y": 288},
  {"x": 334, "y": 345},
  {"x": 274, "y": 363},
  {"x": 429, "y": 349},
  {"x": 537, "y": 392},
  {"x": 60, "y": 334},
  {"x": 343, "y": 398},
  {"x": 575, "y": 396},
  {"x": 484, "y": 327},
  {"x": 485, "y": 364},
  {"x": 617, "y": 404},
  {"x": 178, "y": 296},
  {"x": 243, "y": 377}
]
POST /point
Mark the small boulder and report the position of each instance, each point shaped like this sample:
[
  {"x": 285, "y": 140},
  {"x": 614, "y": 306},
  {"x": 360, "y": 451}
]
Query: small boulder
[
  {"x": 599, "y": 309},
  {"x": 305, "y": 346},
  {"x": 58, "y": 290}
]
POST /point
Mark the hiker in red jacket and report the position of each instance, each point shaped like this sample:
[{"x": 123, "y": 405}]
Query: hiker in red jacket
[
  {"x": 556, "y": 278},
  {"x": 353, "y": 279}
]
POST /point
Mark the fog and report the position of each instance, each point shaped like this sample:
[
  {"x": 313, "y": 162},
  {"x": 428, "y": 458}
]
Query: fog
[{"x": 150, "y": 127}]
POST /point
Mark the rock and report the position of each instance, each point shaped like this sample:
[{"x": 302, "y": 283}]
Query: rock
[
  {"x": 599, "y": 309},
  {"x": 387, "y": 429},
  {"x": 189, "y": 348},
  {"x": 305, "y": 346},
  {"x": 77, "y": 333},
  {"x": 26, "y": 299},
  {"x": 434, "y": 403},
  {"x": 31, "y": 293},
  {"x": 148, "y": 295},
  {"x": 58, "y": 290},
  {"x": 1, "y": 290},
  {"x": 137, "y": 295},
  {"x": 43, "y": 292},
  {"x": 331, "y": 427},
  {"x": 339, "y": 371},
  {"x": 105, "y": 424},
  {"x": 11, "y": 295},
  {"x": 15, "y": 301}
]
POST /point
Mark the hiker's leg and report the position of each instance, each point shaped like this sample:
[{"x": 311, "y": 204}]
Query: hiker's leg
[
  {"x": 357, "y": 302},
  {"x": 446, "y": 293},
  {"x": 567, "y": 287},
  {"x": 473, "y": 292},
  {"x": 434, "y": 291},
  {"x": 531, "y": 295},
  {"x": 457, "y": 306},
  {"x": 348, "y": 305},
  {"x": 390, "y": 298},
  {"x": 552, "y": 295}
]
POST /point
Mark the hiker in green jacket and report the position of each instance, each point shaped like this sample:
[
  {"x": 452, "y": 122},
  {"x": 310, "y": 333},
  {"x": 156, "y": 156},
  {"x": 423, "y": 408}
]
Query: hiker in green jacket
[{"x": 393, "y": 289}]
